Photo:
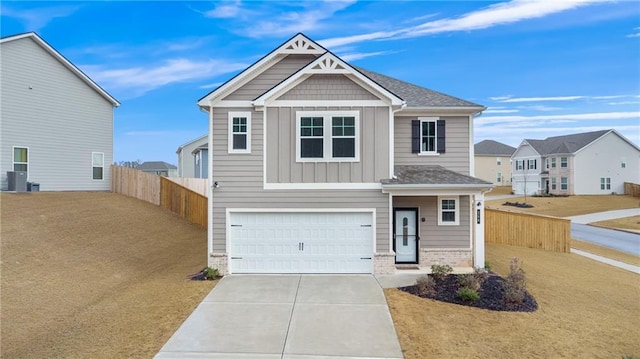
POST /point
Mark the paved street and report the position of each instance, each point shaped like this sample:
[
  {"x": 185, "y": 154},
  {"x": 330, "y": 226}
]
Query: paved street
[{"x": 622, "y": 241}]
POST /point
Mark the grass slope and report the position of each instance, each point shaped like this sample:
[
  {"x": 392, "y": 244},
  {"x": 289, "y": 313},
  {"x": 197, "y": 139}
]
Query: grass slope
[
  {"x": 569, "y": 206},
  {"x": 586, "y": 310},
  {"x": 94, "y": 275}
]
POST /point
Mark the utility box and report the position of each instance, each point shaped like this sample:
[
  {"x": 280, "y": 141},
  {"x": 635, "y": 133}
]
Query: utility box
[
  {"x": 17, "y": 181},
  {"x": 33, "y": 187}
]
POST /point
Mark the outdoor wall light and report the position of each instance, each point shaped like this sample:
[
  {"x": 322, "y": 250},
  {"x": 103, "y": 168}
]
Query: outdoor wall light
[
  {"x": 216, "y": 184},
  {"x": 479, "y": 203}
]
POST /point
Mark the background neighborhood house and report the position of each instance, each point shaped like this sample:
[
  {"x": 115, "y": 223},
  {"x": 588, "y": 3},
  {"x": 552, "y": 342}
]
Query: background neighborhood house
[
  {"x": 596, "y": 162},
  {"x": 493, "y": 162},
  {"x": 323, "y": 167},
  {"x": 159, "y": 168},
  {"x": 193, "y": 158},
  {"x": 56, "y": 123}
]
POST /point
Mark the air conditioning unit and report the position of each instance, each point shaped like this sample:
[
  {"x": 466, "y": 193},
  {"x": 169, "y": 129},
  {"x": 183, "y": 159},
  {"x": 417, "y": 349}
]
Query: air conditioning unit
[{"x": 17, "y": 181}]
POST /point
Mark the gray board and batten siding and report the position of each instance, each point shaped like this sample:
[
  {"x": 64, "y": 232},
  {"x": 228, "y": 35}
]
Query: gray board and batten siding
[
  {"x": 433, "y": 235},
  {"x": 49, "y": 109},
  {"x": 240, "y": 179}
]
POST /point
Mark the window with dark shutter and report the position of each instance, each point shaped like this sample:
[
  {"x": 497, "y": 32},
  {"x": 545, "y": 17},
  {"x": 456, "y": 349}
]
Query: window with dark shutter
[
  {"x": 441, "y": 136},
  {"x": 428, "y": 136}
]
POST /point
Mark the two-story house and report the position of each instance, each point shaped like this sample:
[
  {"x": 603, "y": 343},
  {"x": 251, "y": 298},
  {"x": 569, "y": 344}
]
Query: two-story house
[
  {"x": 56, "y": 124},
  {"x": 193, "y": 158},
  {"x": 597, "y": 162},
  {"x": 493, "y": 162},
  {"x": 323, "y": 167}
]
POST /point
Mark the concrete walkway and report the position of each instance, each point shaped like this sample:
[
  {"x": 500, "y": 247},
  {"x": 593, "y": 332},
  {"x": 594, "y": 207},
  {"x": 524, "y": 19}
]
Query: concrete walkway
[
  {"x": 604, "y": 216},
  {"x": 622, "y": 265},
  {"x": 288, "y": 317}
]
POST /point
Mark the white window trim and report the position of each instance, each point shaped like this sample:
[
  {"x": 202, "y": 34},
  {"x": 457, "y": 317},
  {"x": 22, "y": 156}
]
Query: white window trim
[
  {"x": 605, "y": 183},
  {"x": 498, "y": 161},
  {"x": 435, "y": 142},
  {"x": 328, "y": 135},
  {"x": 567, "y": 184},
  {"x": 553, "y": 162},
  {"x": 13, "y": 158},
  {"x": 93, "y": 165},
  {"x": 230, "y": 148},
  {"x": 499, "y": 177},
  {"x": 566, "y": 162},
  {"x": 457, "y": 211}
]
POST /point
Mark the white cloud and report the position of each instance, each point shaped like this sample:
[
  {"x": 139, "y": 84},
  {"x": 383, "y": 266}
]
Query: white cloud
[
  {"x": 619, "y": 103},
  {"x": 536, "y": 99},
  {"x": 490, "y": 16},
  {"x": 226, "y": 10},
  {"x": 600, "y": 116},
  {"x": 36, "y": 19},
  {"x": 636, "y": 33},
  {"x": 494, "y": 110},
  {"x": 361, "y": 55},
  {"x": 210, "y": 86},
  {"x": 141, "y": 79},
  {"x": 540, "y": 108}
]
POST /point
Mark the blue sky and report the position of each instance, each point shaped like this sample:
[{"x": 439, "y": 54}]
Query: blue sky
[{"x": 542, "y": 68}]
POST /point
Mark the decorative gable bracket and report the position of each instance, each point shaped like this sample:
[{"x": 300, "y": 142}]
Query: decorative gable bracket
[{"x": 302, "y": 45}]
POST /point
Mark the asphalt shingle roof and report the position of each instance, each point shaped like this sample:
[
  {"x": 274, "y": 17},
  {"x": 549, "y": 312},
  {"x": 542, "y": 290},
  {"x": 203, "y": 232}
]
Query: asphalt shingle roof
[
  {"x": 430, "y": 175},
  {"x": 156, "y": 165},
  {"x": 493, "y": 148},
  {"x": 415, "y": 96},
  {"x": 565, "y": 144}
]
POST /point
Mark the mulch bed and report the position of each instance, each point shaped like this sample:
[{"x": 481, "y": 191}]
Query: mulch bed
[
  {"x": 517, "y": 204},
  {"x": 491, "y": 295}
]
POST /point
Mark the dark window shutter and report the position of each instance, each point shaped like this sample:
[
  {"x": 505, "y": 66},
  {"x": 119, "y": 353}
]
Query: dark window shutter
[
  {"x": 441, "y": 136},
  {"x": 415, "y": 136}
]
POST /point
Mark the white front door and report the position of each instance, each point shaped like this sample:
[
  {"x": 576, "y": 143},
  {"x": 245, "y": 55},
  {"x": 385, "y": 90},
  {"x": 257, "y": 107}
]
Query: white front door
[
  {"x": 406, "y": 235},
  {"x": 312, "y": 242}
]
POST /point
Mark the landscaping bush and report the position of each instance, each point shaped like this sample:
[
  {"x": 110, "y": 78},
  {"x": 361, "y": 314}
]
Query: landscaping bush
[
  {"x": 440, "y": 271},
  {"x": 515, "y": 283},
  {"x": 211, "y": 273},
  {"x": 487, "y": 266},
  {"x": 468, "y": 281},
  {"x": 426, "y": 285},
  {"x": 468, "y": 295},
  {"x": 480, "y": 275}
]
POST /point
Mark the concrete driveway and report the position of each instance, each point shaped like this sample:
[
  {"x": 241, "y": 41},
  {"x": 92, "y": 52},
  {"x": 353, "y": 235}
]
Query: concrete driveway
[{"x": 288, "y": 317}]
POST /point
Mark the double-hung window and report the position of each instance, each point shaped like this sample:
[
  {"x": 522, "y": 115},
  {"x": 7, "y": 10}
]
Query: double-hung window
[
  {"x": 428, "y": 136},
  {"x": 553, "y": 162},
  {"x": 519, "y": 165},
  {"x": 498, "y": 161},
  {"x": 605, "y": 183},
  {"x": 239, "y": 132},
  {"x": 448, "y": 211},
  {"x": 327, "y": 136},
  {"x": 553, "y": 183},
  {"x": 563, "y": 162},
  {"x": 21, "y": 159},
  {"x": 97, "y": 165},
  {"x": 499, "y": 177},
  {"x": 564, "y": 183},
  {"x": 531, "y": 164}
]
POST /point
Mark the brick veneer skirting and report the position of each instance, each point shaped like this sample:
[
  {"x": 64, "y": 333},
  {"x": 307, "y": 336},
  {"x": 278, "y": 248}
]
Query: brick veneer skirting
[{"x": 452, "y": 257}]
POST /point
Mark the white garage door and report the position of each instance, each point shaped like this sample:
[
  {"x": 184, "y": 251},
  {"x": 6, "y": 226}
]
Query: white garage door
[
  {"x": 314, "y": 242},
  {"x": 531, "y": 187}
]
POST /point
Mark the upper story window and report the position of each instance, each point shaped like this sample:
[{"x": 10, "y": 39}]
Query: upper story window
[
  {"x": 428, "y": 136},
  {"x": 563, "y": 162},
  {"x": 327, "y": 136},
  {"x": 21, "y": 159},
  {"x": 498, "y": 161},
  {"x": 553, "y": 162},
  {"x": 239, "y": 132},
  {"x": 519, "y": 165},
  {"x": 546, "y": 163},
  {"x": 532, "y": 164},
  {"x": 623, "y": 162},
  {"x": 97, "y": 165},
  {"x": 448, "y": 211},
  {"x": 499, "y": 177}
]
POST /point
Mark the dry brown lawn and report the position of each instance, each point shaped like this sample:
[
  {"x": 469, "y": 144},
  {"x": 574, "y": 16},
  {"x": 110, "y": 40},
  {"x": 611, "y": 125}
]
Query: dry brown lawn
[
  {"x": 632, "y": 223},
  {"x": 569, "y": 206},
  {"x": 606, "y": 252},
  {"x": 499, "y": 190},
  {"x": 586, "y": 310},
  {"x": 94, "y": 275}
]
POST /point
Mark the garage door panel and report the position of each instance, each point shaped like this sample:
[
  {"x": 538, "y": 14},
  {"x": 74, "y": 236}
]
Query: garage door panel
[{"x": 301, "y": 242}]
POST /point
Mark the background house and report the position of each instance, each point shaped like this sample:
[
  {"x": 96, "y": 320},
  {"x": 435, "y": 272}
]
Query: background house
[
  {"x": 159, "y": 168},
  {"x": 193, "y": 158},
  {"x": 596, "y": 162},
  {"x": 55, "y": 122},
  {"x": 493, "y": 162}
]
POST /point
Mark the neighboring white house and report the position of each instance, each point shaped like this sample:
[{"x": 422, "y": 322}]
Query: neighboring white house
[
  {"x": 55, "y": 122},
  {"x": 596, "y": 162},
  {"x": 159, "y": 168},
  {"x": 193, "y": 158}
]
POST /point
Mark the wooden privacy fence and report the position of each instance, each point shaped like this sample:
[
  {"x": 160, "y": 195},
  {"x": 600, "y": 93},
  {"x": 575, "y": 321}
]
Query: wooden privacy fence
[
  {"x": 198, "y": 185},
  {"x": 632, "y": 189},
  {"x": 527, "y": 230},
  {"x": 183, "y": 201},
  {"x": 133, "y": 183},
  {"x": 161, "y": 192}
]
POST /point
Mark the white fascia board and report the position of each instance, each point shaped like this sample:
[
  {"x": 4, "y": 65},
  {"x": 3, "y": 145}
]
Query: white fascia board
[
  {"x": 330, "y": 64},
  {"x": 325, "y": 103},
  {"x": 321, "y": 186},
  {"x": 431, "y": 190},
  {"x": 190, "y": 142},
  {"x": 298, "y": 44},
  {"x": 66, "y": 63},
  {"x": 439, "y": 111}
]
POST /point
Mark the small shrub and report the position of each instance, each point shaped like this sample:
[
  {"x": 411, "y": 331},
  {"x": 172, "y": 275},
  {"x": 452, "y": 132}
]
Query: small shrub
[
  {"x": 211, "y": 273},
  {"x": 480, "y": 274},
  {"x": 487, "y": 266},
  {"x": 426, "y": 285},
  {"x": 515, "y": 283},
  {"x": 468, "y": 295},
  {"x": 468, "y": 281},
  {"x": 440, "y": 271}
]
